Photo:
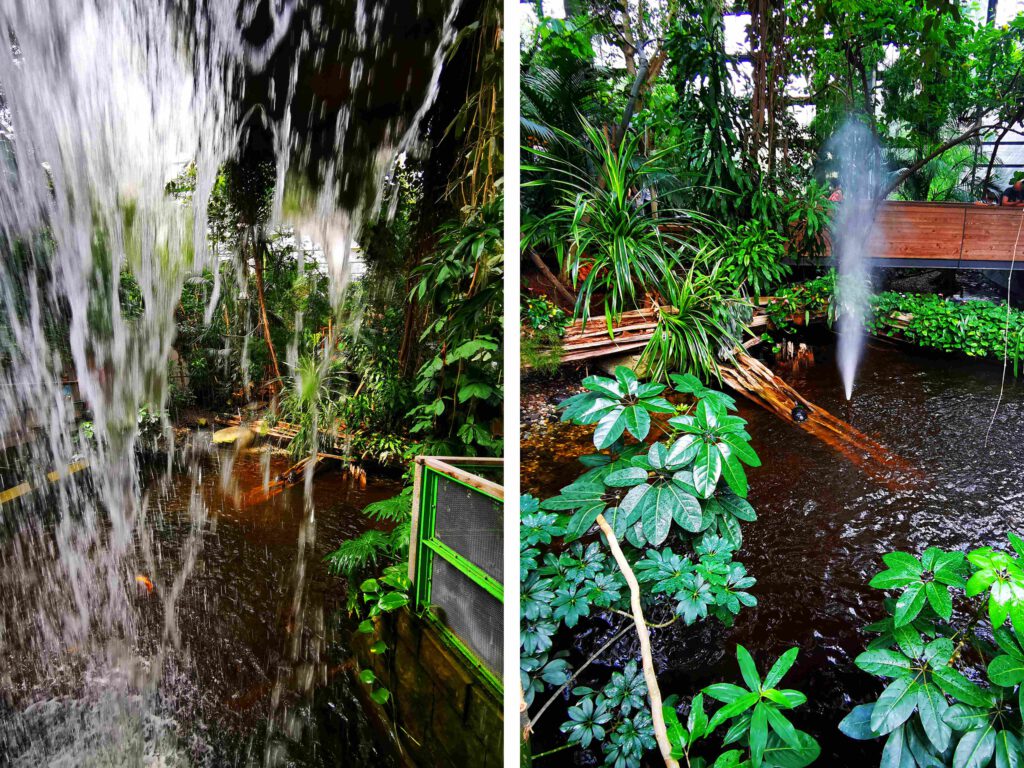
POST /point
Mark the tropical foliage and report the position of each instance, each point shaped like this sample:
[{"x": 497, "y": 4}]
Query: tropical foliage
[
  {"x": 949, "y": 652},
  {"x": 679, "y": 504}
]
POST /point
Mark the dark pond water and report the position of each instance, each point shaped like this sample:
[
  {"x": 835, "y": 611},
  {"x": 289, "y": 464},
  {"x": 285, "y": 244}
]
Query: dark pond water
[
  {"x": 260, "y": 672},
  {"x": 824, "y": 524}
]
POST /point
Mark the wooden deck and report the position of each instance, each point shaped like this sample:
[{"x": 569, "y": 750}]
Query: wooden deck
[{"x": 946, "y": 236}]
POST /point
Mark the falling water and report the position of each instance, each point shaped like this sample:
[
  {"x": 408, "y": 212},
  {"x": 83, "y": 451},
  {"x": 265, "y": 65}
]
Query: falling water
[
  {"x": 102, "y": 102},
  {"x": 857, "y": 160}
]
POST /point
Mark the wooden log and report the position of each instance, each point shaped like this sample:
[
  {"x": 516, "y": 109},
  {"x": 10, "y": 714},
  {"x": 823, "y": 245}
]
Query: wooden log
[{"x": 757, "y": 383}]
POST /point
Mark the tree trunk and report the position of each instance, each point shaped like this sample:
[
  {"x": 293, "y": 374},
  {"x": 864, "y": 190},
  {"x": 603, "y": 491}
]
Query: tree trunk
[{"x": 259, "y": 251}]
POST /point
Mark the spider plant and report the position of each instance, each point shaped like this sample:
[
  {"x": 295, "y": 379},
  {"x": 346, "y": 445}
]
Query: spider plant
[
  {"x": 613, "y": 249},
  {"x": 700, "y": 321},
  {"x": 312, "y": 400}
]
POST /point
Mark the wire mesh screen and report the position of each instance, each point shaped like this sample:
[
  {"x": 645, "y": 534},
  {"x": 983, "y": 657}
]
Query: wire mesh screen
[
  {"x": 468, "y": 611},
  {"x": 471, "y": 524}
]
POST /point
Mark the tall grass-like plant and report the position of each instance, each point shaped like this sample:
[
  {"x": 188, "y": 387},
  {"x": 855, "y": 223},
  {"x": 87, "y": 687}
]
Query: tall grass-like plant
[
  {"x": 613, "y": 249},
  {"x": 700, "y": 320},
  {"x": 312, "y": 400}
]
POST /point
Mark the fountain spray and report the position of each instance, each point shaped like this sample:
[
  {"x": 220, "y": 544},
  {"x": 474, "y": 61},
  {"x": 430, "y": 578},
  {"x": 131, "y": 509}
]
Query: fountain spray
[{"x": 857, "y": 159}]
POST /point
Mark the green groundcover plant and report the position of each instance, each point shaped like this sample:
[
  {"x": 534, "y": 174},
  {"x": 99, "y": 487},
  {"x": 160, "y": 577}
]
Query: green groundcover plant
[
  {"x": 677, "y": 505},
  {"x": 950, "y": 655},
  {"x": 974, "y": 328}
]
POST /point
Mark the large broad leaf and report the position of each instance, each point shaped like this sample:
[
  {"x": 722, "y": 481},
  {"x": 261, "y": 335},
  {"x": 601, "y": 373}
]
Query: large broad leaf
[
  {"x": 638, "y": 421},
  {"x": 895, "y": 705},
  {"x": 707, "y": 468},
  {"x": 976, "y": 748},
  {"x": 779, "y": 754},
  {"x": 656, "y": 509},
  {"x": 896, "y": 753},
  {"x": 610, "y": 428},
  {"x": 686, "y": 510},
  {"x": 884, "y": 663},
  {"x": 961, "y": 717},
  {"x": 960, "y": 688},
  {"x": 1006, "y": 671},
  {"x": 733, "y": 471},
  {"x": 932, "y": 706},
  {"x": 1008, "y": 752},
  {"x": 939, "y": 599},
  {"x": 909, "y": 604},
  {"x": 857, "y": 724},
  {"x": 582, "y": 521}
]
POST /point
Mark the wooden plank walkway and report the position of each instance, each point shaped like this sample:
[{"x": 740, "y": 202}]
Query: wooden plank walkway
[{"x": 945, "y": 236}]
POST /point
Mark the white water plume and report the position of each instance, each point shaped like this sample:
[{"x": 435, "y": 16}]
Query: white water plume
[{"x": 857, "y": 159}]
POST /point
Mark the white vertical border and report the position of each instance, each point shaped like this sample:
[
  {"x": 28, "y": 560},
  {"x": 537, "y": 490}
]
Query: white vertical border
[{"x": 511, "y": 411}]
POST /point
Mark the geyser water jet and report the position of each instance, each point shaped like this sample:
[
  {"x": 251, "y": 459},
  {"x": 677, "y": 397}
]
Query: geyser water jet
[{"x": 857, "y": 160}]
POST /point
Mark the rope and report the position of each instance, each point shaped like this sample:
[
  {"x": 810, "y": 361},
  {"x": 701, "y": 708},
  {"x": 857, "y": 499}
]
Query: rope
[{"x": 1006, "y": 330}]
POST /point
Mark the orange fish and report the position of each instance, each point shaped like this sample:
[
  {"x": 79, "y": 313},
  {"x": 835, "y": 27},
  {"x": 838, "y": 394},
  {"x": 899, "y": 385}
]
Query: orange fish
[{"x": 144, "y": 581}]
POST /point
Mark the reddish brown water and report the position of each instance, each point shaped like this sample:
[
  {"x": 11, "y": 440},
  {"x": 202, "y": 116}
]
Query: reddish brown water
[
  {"x": 824, "y": 524},
  {"x": 251, "y": 669}
]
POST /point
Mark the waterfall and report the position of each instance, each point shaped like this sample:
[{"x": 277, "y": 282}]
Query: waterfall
[
  {"x": 102, "y": 103},
  {"x": 857, "y": 159}
]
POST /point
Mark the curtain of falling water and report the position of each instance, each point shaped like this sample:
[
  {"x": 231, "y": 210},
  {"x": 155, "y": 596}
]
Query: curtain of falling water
[{"x": 103, "y": 102}]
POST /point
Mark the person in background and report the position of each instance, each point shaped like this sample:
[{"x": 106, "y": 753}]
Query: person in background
[
  {"x": 1013, "y": 196},
  {"x": 837, "y": 193}
]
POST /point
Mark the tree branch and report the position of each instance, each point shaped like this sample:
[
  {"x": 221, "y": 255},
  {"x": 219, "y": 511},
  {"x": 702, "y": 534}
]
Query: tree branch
[{"x": 653, "y": 691}]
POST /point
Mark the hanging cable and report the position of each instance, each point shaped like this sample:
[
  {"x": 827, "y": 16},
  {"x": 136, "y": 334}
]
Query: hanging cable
[{"x": 1006, "y": 330}]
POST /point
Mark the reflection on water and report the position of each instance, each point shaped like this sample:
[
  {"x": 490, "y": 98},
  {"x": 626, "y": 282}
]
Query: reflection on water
[
  {"x": 823, "y": 525},
  {"x": 244, "y": 654}
]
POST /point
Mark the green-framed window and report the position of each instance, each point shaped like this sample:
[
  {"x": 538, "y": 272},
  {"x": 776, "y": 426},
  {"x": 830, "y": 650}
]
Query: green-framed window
[{"x": 456, "y": 561}]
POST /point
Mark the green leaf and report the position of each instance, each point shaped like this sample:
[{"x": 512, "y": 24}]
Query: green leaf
[
  {"x": 779, "y": 669},
  {"x": 697, "y": 721},
  {"x": 610, "y": 428},
  {"x": 758, "y": 734},
  {"x": 939, "y": 599},
  {"x": 909, "y": 604},
  {"x": 392, "y": 601},
  {"x": 894, "y": 706},
  {"x": 677, "y": 735},
  {"x": 896, "y": 752},
  {"x": 883, "y": 663},
  {"x": 961, "y": 717},
  {"x": 367, "y": 676},
  {"x": 379, "y": 647},
  {"x": 1008, "y": 750},
  {"x": 733, "y": 473},
  {"x": 975, "y": 749},
  {"x": 707, "y": 468},
  {"x": 748, "y": 669},
  {"x": 381, "y": 696},
  {"x": 857, "y": 724},
  {"x": 1006, "y": 671},
  {"x": 960, "y": 688},
  {"x": 782, "y": 727},
  {"x": 638, "y": 421},
  {"x": 903, "y": 562},
  {"x": 932, "y": 706},
  {"x": 365, "y": 627}
]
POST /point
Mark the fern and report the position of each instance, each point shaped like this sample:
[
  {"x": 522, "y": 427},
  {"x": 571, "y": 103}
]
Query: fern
[
  {"x": 357, "y": 553},
  {"x": 396, "y": 509}
]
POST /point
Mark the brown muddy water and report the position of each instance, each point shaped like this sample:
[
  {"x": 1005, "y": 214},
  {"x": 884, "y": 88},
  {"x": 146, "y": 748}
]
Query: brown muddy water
[
  {"x": 823, "y": 525},
  {"x": 260, "y": 673}
]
